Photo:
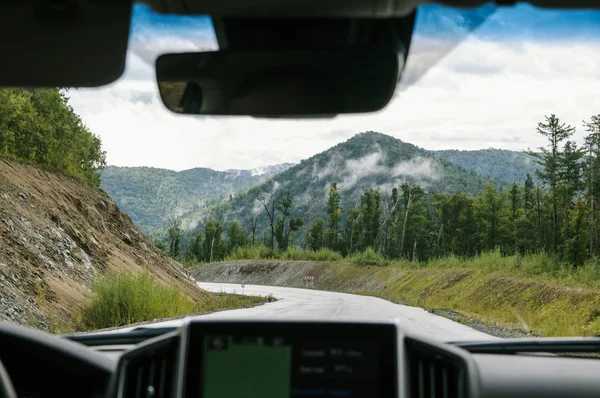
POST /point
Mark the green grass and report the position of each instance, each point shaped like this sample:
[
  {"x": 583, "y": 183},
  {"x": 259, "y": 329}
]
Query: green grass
[
  {"x": 369, "y": 257},
  {"x": 541, "y": 266},
  {"x": 292, "y": 253},
  {"x": 257, "y": 252},
  {"x": 296, "y": 253},
  {"x": 121, "y": 299}
]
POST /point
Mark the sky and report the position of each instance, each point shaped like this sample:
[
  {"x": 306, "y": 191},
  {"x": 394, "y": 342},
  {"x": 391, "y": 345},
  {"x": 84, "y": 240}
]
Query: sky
[{"x": 498, "y": 72}]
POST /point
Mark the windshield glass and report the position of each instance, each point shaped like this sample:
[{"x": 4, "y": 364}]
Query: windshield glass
[{"x": 473, "y": 194}]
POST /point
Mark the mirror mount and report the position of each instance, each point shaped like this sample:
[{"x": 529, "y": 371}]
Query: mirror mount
[{"x": 319, "y": 33}]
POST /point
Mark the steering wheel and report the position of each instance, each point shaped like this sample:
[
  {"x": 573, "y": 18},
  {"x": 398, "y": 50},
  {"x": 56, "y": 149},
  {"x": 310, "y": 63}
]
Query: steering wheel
[{"x": 6, "y": 387}]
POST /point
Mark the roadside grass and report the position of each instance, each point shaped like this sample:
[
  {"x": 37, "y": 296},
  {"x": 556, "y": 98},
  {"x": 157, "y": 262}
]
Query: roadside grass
[
  {"x": 369, "y": 257},
  {"x": 292, "y": 253},
  {"x": 121, "y": 299},
  {"x": 541, "y": 266}
]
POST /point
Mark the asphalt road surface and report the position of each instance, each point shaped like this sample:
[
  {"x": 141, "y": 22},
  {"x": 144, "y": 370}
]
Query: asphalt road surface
[{"x": 309, "y": 304}]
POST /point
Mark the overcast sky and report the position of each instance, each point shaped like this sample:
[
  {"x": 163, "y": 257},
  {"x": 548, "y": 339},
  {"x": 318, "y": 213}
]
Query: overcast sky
[{"x": 490, "y": 90}]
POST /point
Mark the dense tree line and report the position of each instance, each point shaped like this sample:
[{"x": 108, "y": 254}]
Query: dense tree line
[
  {"x": 557, "y": 215},
  {"x": 40, "y": 127}
]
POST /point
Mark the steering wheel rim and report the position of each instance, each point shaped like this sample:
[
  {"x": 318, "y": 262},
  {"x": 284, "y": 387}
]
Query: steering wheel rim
[{"x": 7, "y": 389}]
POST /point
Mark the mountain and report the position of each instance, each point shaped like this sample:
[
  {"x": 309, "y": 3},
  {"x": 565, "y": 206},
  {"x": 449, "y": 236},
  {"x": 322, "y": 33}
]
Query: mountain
[
  {"x": 58, "y": 236},
  {"x": 499, "y": 164},
  {"x": 153, "y": 196},
  {"x": 367, "y": 160}
]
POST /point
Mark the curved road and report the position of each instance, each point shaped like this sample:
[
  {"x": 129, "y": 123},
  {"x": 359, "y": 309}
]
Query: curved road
[{"x": 308, "y": 304}]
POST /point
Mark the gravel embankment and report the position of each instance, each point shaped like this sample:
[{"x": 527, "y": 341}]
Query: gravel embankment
[{"x": 491, "y": 329}]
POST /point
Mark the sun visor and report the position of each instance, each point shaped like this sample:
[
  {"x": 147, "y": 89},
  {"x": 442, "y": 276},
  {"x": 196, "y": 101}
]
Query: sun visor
[{"x": 63, "y": 43}]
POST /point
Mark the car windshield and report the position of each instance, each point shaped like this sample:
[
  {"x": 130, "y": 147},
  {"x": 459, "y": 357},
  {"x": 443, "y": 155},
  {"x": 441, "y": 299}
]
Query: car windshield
[{"x": 473, "y": 194}]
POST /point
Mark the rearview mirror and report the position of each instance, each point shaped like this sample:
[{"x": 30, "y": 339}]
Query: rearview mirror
[{"x": 276, "y": 83}]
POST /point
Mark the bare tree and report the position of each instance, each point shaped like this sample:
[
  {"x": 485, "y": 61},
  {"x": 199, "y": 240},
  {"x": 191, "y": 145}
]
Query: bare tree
[
  {"x": 268, "y": 202},
  {"x": 253, "y": 226}
]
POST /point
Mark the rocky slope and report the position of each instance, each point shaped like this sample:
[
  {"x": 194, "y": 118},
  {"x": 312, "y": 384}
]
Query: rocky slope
[{"x": 57, "y": 237}]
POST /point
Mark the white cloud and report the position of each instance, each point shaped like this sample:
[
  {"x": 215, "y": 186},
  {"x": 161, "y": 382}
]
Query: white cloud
[
  {"x": 356, "y": 169},
  {"x": 418, "y": 167},
  {"x": 483, "y": 94}
]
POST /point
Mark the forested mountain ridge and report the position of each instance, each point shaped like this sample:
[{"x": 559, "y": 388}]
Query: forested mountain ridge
[
  {"x": 498, "y": 164},
  {"x": 367, "y": 160},
  {"x": 153, "y": 196}
]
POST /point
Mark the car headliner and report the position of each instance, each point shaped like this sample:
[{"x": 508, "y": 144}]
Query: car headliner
[
  {"x": 315, "y": 8},
  {"x": 84, "y": 43}
]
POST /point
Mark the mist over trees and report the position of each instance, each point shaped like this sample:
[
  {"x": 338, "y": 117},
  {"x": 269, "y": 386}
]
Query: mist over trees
[
  {"x": 555, "y": 213},
  {"x": 38, "y": 126}
]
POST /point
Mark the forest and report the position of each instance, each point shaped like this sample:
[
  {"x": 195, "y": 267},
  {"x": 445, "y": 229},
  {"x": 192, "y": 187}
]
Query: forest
[
  {"x": 152, "y": 196},
  {"x": 555, "y": 213},
  {"x": 38, "y": 126}
]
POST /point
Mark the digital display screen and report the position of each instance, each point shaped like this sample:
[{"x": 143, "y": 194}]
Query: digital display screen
[
  {"x": 246, "y": 368},
  {"x": 271, "y": 366}
]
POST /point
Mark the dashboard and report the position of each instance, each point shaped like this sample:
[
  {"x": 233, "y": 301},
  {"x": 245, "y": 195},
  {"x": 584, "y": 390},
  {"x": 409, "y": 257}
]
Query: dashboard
[{"x": 274, "y": 359}]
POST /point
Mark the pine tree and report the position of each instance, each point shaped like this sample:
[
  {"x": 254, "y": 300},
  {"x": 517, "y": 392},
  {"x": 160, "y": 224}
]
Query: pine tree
[
  {"x": 515, "y": 214},
  {"x": 570, "y": 178},
  {"x": 549, "y": 158},
  {"x": 316, "y": 234},
  {"x": 334, "y": 215},
  {"x": 174, "y": 235},
  {"x": 592, "y": 177},
  {"x": 195, "y": 248},
  {"x": 489, "y": 212},
  {"x": 235, "y": 236}
]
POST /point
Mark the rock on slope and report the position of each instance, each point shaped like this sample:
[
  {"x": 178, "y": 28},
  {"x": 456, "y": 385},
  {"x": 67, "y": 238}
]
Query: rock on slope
[{"x": 57, "y": 237}]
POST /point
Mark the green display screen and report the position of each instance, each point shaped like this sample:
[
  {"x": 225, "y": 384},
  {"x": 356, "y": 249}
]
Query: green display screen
[{"x": 243, "y": 369}]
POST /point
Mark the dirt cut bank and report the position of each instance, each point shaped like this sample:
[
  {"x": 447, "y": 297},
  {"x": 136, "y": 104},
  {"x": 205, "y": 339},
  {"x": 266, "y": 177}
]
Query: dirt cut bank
[
  {"x": 516, "y": 303},
  {"x": 58, "y": 236}
]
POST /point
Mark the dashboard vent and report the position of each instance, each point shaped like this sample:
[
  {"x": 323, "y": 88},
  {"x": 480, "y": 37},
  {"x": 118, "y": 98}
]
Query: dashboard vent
[
  {"x": 149, "y": 372},
  {"x": 434, "y": 373}
]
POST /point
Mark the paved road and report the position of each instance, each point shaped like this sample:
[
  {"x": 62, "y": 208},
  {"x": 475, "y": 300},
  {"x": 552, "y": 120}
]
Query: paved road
[{"x": 308, "y": 304}]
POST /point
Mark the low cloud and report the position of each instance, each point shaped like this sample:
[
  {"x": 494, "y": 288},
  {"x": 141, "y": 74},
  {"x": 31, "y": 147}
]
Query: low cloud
[
  {"x": 349, "y": 172},
  {"x": 357, "y": 169},
  {"x": 417, "y": 168}
]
